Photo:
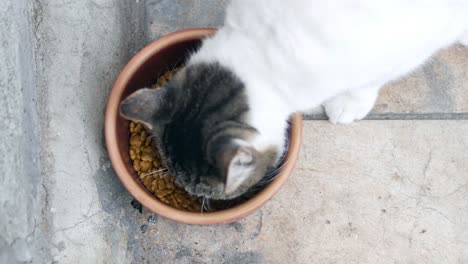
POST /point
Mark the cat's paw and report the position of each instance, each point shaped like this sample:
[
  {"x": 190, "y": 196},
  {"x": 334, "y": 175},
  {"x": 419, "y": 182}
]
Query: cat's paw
[{"x": 348, "y": 107}]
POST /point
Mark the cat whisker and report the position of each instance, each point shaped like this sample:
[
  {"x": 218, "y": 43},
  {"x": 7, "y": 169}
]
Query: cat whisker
[
  {"x": 173, "y": 66},
  {"x": 151, "y": 137},
  {"x": 206, "y": 205},
  {"x": 202, "y": 205},
  {"x": 272, "y": 175},
  {"x": 277, "y": 169},
  {"x": 155, "y": 172}
]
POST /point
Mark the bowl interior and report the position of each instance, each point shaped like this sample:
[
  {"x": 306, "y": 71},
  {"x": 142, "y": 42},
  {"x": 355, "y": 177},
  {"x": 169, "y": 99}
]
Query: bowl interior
[{"x": 144, "y": 76}]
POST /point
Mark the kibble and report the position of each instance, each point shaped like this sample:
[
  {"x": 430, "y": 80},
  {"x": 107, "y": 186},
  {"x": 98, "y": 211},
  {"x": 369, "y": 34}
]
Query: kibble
[{"x": 147, "y": 164}]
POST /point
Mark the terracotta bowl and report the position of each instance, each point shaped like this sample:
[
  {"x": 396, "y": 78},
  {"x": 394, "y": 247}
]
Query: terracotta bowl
[{"x": 142, "y": 71}]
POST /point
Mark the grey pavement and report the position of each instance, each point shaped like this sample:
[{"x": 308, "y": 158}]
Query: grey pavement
[{"x": 391, "y": 189}]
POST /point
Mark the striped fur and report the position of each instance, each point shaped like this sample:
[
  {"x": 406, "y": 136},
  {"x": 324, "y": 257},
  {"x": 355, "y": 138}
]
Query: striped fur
[{"x": 200, "y": 124}]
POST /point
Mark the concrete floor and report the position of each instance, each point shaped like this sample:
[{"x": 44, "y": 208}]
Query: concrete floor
[{"x": 391, "y": 189}]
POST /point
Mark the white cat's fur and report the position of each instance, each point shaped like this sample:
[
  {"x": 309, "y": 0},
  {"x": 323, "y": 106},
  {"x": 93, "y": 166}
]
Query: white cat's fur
[{"x": 296, "y": 55}]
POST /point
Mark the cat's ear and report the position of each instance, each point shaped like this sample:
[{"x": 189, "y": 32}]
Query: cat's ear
[
  {"x": 146, "y": 106},
  {"x": 237, "y": 162}
]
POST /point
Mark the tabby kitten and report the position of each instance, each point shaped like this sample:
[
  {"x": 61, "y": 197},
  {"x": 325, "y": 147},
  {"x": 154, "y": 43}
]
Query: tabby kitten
[{"x": 222, "y": 120}]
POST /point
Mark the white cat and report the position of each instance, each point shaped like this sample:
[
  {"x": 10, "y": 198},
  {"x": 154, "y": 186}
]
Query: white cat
[
  {"x": 296, "y": 55},
  {"x": 222, "y": 119}
]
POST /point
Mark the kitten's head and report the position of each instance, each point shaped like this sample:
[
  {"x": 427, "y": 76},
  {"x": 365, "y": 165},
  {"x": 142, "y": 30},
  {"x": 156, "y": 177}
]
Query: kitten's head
[{"x": 199, "y": 120}]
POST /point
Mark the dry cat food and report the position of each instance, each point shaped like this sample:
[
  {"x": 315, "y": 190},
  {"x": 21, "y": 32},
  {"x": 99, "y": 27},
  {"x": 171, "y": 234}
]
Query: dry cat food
[{"x": 147, "y": 163}]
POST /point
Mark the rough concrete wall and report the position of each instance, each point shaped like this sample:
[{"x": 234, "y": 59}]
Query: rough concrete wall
[{"x": 21, "y": 236}]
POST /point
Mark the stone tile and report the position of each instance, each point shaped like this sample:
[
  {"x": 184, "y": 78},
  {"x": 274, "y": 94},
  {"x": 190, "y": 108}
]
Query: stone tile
[
  {"x": 392, "y": 191},
  {"x": 371, "y": 192},
  {"x": 436, "y": 90},
  {"x": 439, "y": 86}
]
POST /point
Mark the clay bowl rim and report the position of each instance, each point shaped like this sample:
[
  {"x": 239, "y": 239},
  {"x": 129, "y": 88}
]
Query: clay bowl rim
[{"x": 136, "y": 189}]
